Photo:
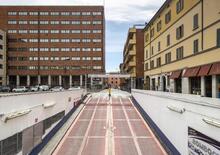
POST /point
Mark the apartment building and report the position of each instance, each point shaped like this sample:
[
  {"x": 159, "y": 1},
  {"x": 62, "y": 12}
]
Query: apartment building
[
  {"x": 53, "y": 45},
  {"x": 133, "y": 57},
  {"x": 2, "y": 58},
  {"x": 181, "y": 47}
]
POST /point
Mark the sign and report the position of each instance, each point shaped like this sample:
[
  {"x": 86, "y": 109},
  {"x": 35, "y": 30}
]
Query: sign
[{"x": 200, "y": 144}]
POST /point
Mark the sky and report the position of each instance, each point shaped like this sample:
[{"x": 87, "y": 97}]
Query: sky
[{"x": 119, "y": 16}]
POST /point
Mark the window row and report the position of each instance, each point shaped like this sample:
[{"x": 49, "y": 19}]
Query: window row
[
  {"x": 54, "y": 67},
  {"x": 65, "y": 40},
  {"x": 46, "y": 22},
  {"x": 33, "y": 49},
  {"x": 45, "y": 13},
  {"x": 66, "y": 58},
  {"x": 53, "y": 31}
]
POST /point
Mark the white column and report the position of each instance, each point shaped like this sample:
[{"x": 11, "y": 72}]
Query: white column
[
  {"x": 70, "y": 80},
  {"x": 214, "y": 87},
  {"x": 18, "y": 80},
  {"x": 38, "y": 80},
  {"x": 91, "y": 82},
  {"x": 60, "y": 80},
  {"x": 7, "y": 80},
  {"x": 28, "y": 80},
  {"x": 185, "y": 85},
  {"x": 49, "y": 80},
  {"x": 203, "y": 86},
  {"x": 172, "y": 85},
  {"x": 81, "y": 80}
]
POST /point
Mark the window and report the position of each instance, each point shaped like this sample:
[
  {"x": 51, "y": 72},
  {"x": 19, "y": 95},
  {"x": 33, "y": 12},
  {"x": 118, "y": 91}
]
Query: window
[
  {"x": 54, "y": 40},
  {"x": 86, "y": 22},
  {"x": 65, "y": 22},
  {"x": 33, "y": 49},
  {"x": 152, "y": 32},
  {"x": 75, "y": 58},
  {"x": 146, "y": 54},
  {"x": 196, "y": 46},
  {"x": 44, "y": 49},
  {"x": 179, "y": 32},
  {"x": 33, "y": 13},
  {"x": 22, "y": 22},
  {"x": 168, "y": 17},
  {"x": 54, "y": 22},
  {"x": 147, "y": 37},
  {"x": 158, "y": 62},
  {"x": 168, "y": 58},
  {"x": 33, "y": 31},
  {"x": 97, "y": 22},
  {"x": 86, "y": 13},
  {"x": 44, "y": 40},
  {"x": 86, "y": 49},
  {"x": 97, "y": 58},
  {"x": 152, "y": 50},
  {"x": 97, "y": 13},
  {"x": 75, "y": 49},
  {"x": 75, "y": 22},
  {"x": 54, "y": 31},
  {"x": 76, "y": 31},
  {"x": 12, "y": 31},
  {"x": 1, "y": 37},
  {"x": 54, "y": 13},
  {"x": 218, "y": 37},
  {"x": 86, "y": 31},
  {"x": 1, "y": 47},
  {"x": 179, "y": 53},
  {"x": 97, "y": 49},
  {"x": 76, "y": 13},
  {"x": 65, "y": 40},
  {"x": 54, "y": 49},
  {"x": 12, "y": 22},
  {"x": 195, "y": 21},
  {"x": 65, "y": 31},
  {"x": 33, "y": 22},
  {"x": 97, "y": 40},
  {"x": 65, "y": 49},
  {"x": 158, "y": 46},
  {"x": 65, "y": 13},
  {"x": 23, "y": 31},
  {"x": 12, "y": 13},
  {"x": 33, "y": 40},
  {"x": 76, "y": 40},
  {"x": 152, "y": 64},
  {"x": 159, "y": 26},
  {"x": 44, "y": 13},
  {"x": 97, "y": 31},
  {"x": 86, "y": 40},
  {"x": 44, "y": 22},
  {"x": 44, "y": 31},
  {"x": 23, "y": 13},
  {"x": 146, "y": 67},
  {"x": 168, "y": 40},
  {"x": 179, "y": 6}
]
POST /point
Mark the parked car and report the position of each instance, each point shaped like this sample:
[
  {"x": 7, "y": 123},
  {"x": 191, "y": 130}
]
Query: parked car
[
  {"x": 34, "y": 88},
  {"x": 57, "y": 88},
  {"x": 5, "y": 89},
  {"x": 20, "y": 89},
  {"x": 44, "y": 88},
  {"x": 74, "y": 88}
]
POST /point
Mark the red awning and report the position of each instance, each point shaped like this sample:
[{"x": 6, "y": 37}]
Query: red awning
[
  {"x": 191, "y": 72},
  {"x": 204, "y": 70},
  {"x": 175, "y": 74},
  {"x": 215, "y": 69}
]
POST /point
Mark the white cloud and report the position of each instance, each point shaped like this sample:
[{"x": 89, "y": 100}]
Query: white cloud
[{"x": 115, "y": 10}]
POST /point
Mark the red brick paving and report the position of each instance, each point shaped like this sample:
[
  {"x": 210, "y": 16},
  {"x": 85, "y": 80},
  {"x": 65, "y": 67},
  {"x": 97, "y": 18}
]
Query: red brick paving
[{"x": 102, "y": 125}]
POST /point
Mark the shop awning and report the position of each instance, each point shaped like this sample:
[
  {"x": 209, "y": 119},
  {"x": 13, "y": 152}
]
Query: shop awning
[
  {"x": 175, "y": 74},
  {"x": 215, "y": 69},
  {"x": 204, "y": 70},
  {"x": 191, "y": 72}
]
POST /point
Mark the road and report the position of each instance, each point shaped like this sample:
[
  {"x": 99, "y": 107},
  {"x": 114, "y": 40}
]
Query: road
[{"x": 109, "y": 127}]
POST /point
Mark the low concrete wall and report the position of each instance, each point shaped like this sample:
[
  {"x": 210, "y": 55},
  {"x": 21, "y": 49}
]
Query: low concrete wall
[
  {"x": 175, "y": 125},
  {"x": 17, "y": 102}
]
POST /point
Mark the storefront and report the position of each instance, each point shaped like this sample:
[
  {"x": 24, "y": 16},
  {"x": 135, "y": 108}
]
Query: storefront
[
  {"x": 176, "y": 75},
  {"x": 215, "y": 72},
  {"x": 194, "y": 80}
]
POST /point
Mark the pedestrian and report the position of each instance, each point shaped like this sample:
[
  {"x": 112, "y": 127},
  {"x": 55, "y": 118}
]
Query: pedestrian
[{"x": 109, "y": 91}]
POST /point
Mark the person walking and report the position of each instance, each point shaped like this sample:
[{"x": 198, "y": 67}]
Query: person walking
[{"x": 109, "y": 91}]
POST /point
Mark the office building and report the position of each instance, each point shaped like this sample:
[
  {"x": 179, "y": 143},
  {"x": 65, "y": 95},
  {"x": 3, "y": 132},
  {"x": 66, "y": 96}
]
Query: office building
[{"x": 53, "y": 45}]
